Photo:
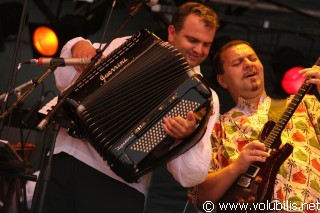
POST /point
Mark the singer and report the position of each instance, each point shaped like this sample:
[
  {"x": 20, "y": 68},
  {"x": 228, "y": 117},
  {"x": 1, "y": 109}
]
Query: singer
[
  {"x": 81, "y": 181},
  {"x": 240, "y": 71}
]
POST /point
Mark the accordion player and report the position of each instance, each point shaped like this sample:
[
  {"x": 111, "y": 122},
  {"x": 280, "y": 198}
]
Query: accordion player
[{"x": 120, "y": 103}]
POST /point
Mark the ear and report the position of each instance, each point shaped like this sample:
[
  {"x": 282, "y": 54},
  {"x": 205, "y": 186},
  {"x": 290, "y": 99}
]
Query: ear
[
  {"x": 171, "y": 33},
  {"x": 221, "y": 81}
]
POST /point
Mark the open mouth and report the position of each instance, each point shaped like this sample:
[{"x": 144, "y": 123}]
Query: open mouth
[{"x": 250, "y": 74}]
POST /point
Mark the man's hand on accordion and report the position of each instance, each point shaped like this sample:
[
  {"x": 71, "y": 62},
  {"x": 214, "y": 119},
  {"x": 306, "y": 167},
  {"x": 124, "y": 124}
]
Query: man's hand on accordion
[
  {"x": 82, "y": 49},
  {"x": 179, "y": 127}
]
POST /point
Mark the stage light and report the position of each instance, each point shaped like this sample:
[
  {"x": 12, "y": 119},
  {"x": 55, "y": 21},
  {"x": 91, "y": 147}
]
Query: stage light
[
  {"x": 286, "y": 63},
  {"x": 48, "y": 39},
  {"x": 45, "y": 41},
  {"x": 292, "y": 80}
]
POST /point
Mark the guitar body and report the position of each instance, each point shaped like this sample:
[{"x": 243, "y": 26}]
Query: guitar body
[{"x": 256, "y": 186}]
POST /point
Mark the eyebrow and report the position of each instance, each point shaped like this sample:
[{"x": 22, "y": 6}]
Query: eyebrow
[{"x": 191, "y": 37}]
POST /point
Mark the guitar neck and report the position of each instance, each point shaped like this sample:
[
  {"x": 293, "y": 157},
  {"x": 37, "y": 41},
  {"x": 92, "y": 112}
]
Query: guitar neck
[{"x": 276, "y": 131}]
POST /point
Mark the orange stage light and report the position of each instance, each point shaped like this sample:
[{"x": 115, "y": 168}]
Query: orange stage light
[{"x": 45, "y": 41}]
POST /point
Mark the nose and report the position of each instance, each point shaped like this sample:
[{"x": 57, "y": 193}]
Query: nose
[
  {"x": 247, "y": 63},
  {"x": 198, "y": 48}
]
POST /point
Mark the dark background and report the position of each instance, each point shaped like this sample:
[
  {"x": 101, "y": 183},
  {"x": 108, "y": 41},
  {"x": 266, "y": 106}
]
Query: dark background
[{"x": 268, "y": 25}]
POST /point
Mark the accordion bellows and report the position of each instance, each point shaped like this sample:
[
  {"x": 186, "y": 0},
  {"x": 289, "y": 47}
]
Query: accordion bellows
[{"x": 119, "y": 105}]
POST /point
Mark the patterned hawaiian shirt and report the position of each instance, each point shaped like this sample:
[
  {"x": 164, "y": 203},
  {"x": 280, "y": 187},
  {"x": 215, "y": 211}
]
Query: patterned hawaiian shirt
[{"x": 298, "y": 179}]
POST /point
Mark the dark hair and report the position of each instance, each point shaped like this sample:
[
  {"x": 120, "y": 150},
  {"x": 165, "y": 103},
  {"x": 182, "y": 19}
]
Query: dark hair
[
  {"x": 217, "y": 63},
  {"x": 208, "y": 16}
]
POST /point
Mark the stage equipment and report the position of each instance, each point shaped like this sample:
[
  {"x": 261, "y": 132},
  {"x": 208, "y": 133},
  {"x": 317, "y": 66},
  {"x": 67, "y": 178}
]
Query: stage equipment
[{"x": 45, "y": 41}]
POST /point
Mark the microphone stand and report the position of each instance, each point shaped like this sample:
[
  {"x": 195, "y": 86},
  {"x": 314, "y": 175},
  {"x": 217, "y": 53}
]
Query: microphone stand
[
  {"x": 16, "y": 90},
  {"x": 35, "y": 83},
  {"x": 45, "y": 171}
]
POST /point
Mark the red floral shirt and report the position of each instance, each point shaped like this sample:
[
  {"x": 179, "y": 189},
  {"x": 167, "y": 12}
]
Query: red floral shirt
[{"x": 298, "y": 179}]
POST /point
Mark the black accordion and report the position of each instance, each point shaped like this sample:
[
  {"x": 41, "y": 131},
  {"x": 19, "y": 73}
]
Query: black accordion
[{"x": 119, "y": 105}]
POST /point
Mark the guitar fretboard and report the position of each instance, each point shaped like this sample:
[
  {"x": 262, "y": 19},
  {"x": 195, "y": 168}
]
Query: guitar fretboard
[{"x": 277, "y": 129}]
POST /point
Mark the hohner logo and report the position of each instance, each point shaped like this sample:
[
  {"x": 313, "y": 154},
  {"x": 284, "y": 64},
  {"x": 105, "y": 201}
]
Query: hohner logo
[{"x": 113, "y": 69}]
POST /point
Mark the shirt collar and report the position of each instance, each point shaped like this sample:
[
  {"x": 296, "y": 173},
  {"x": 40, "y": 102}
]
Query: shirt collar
[
  {"x": 196, "y": 70},
  {"x": 248, "y": 108}
]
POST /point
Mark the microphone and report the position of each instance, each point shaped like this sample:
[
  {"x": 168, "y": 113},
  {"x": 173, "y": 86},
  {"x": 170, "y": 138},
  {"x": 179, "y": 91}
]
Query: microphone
[
  {"x": 16, "y": 90},
  {"x": 60, "y": 62}
]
